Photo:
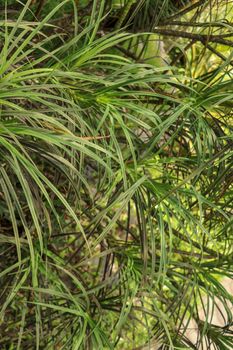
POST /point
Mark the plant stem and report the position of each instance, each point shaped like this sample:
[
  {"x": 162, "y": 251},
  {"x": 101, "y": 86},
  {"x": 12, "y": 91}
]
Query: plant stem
[{"x": 124, "y": 13}]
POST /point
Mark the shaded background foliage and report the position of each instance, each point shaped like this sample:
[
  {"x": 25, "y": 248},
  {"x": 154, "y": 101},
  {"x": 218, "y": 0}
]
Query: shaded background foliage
[{"x": 115, "y": 174}]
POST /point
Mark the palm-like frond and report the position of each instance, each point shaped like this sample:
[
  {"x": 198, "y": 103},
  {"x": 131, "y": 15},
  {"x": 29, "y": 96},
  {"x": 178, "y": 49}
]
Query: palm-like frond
[{"x": 116, "y": 191}]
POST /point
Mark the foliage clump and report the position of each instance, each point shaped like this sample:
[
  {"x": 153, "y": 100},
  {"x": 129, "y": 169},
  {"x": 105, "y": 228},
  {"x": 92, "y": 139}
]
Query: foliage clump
[{"x": 116, "y": 174}]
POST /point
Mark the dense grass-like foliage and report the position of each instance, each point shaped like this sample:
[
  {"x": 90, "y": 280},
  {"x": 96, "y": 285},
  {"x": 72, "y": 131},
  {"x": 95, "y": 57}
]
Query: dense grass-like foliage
[{"x": 115, "y": 174}]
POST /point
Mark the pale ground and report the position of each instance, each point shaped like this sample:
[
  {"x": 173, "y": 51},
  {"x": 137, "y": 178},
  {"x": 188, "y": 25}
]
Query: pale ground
[
  {"x": 217, "y": 317},
  {"x": 218, "y": 313}
]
